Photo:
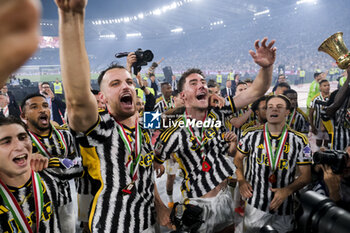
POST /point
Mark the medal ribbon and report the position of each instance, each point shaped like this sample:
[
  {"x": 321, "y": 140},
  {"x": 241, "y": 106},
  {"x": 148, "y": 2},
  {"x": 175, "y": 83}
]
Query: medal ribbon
[
  {"x": 132, "y": 163},
  {"x": 171, "y": 104},
  {"x": 42, "y": 148},
  {"x": 274, "y": 158},
  {"x": 16, "y": 210},
  {"x": 198, "y": 139},
  {"x": 5, "y": 110},
  {"x": 291, "y": 118}
]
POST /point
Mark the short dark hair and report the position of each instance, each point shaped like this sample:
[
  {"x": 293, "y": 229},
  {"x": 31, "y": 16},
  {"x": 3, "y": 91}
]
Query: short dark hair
[
  {"x": 248, "y": 80},
  {"x": 323, "y": 81},
  {"x": 23, "y": 104},
  {"x": 255, "y": 104},
  {"x": 289, "y": 91},
  {"x": 187, "y": 73},
  {"x": 12, "y": 120},
  {"x": 111, "y": 66},
  {"x": 95, "y": 92},
  {"x": 283, "y": 85},
  {"x": 211, "y": 83},
  {"x": 43, "y": 83},
  {"x": 163, "y": 84},
  {"x": 241, "y": 83},
  {"x": 316, "y": 74},
  {"x": 175, "y": 93},
  {"x": 285, "y": 98}
]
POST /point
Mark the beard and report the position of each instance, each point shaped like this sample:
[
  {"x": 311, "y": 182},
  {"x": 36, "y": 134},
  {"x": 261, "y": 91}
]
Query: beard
[{"x": 37, "y": 126}]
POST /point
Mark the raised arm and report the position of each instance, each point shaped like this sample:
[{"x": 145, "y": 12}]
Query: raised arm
[
  {"x": 264, "y": 56},
  {"x": 19, "y": 34},
  {"x": 81, "y": 104},
  {"x": 339, "y": 97}
]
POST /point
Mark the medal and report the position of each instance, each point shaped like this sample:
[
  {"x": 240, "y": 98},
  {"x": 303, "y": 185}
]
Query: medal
[
  {"x": 274, "y": 156},
  {"x": 133, "y": 159},
  {"x": 205, "y": 166},
  {"x": 129, "y": 188},
  {"x": 272, "y": 179}
]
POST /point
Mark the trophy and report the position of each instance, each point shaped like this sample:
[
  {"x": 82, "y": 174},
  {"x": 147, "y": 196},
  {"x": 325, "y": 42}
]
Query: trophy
[{"x": 335, "y": 47}]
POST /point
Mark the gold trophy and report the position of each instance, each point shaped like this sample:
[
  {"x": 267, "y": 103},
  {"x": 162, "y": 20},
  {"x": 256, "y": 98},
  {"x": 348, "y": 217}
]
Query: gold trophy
[{"x": 336, "y": 48}]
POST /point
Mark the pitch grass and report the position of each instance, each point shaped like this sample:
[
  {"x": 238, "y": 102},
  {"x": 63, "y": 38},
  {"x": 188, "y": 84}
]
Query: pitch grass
[{"x": 47, "y": 78}]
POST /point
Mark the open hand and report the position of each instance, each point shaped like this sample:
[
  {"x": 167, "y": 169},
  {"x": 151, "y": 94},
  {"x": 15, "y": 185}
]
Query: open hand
[
  {"x": 280, "y": 195},
  {"x": 245, "y": 189},
  {"x": 264, "y": 56}
]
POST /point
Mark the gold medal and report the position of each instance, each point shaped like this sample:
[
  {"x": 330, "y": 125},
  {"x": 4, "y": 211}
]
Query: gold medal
[{"x": 272, "y": 179}]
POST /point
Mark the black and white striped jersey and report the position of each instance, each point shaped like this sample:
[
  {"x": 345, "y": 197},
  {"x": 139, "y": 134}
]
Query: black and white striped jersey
[
  {"x": 24, "y": 195},
  {"x": 237, "y": 114},
  {"x": 62, "y": 167},
  {"x": 296, "y": 152},
  {"x": 178, "y": 139},
  {"x": 318, "y": 104},
  {"x": 104, "y": 158},
  {"x": 162, "y": 105},
  {"x": 299, "y": 122},
  {"x": 337, "y": 127}
]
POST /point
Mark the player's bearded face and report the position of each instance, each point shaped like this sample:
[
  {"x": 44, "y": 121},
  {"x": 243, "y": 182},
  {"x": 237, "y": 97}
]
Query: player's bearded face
[
  {"x": 195, "y": 93},
  {"x": 118, "y": 92},
  {"x": 37, "y": 113}
]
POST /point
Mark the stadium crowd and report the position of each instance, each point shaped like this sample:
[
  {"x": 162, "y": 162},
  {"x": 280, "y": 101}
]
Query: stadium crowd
[{"x": 242, "y": 153}]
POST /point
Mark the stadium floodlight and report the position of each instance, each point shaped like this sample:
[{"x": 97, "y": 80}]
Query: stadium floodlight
[
  {"x": 217, "y": 23},
  {"x": 173, "y": 5},
  {"x": 262, "y": 12},
  {"x": 176, "y": 30},
  {"x": 306, "y": 1},
  {"x": 157, "y": 11},
  {"x": 138, "y": 34},
  {"x": 140, "y": 16},
  {"x": 108, "y": 36}
]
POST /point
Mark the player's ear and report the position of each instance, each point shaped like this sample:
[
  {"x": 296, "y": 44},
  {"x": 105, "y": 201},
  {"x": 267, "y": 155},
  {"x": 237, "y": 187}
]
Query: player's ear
[{"x": 102, "y": 97}]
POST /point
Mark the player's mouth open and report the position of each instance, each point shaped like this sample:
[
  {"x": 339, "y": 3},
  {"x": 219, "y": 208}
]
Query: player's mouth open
[
  {"x": 126, "y": 99},
  {"x": 201, "y": 96},
  {"x": 20, "y": 159},
  {"x": 44, "y": 119}
]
